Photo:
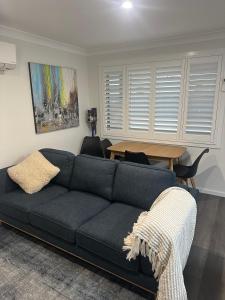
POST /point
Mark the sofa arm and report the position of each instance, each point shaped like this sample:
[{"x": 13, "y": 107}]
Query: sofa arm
[
  {"x": 194, "y": 192},
  {"x": 6, "y": 184}
]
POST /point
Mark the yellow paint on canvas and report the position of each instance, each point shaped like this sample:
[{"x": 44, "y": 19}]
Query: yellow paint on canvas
[
  {"x": 63, "y": 97},
  {"x": 47, "y": 80}
]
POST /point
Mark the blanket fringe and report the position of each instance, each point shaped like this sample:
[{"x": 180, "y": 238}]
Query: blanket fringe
[
  {"x": 136, "y": 246},
  {"x": 132, "y": 243}
]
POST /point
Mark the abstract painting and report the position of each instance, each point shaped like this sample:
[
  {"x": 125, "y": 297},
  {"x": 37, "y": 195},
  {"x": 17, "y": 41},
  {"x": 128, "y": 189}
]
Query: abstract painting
[{"x": 55, "y": 97}]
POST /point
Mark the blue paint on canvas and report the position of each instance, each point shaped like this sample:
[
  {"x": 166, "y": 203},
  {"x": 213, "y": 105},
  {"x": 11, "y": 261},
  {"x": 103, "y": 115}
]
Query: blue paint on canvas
[{"x": 55, "y": 97}]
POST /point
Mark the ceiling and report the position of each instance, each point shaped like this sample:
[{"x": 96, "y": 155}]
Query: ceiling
[{"x": 93, "y": 24}]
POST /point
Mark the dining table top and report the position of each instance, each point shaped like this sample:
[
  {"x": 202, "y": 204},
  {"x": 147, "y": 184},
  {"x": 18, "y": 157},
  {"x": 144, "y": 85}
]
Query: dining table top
[{"x": 150, "y": 149}]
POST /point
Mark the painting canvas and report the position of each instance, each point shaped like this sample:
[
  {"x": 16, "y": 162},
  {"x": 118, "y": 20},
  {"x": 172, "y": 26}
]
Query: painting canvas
[{"x": 55, "y": 97}]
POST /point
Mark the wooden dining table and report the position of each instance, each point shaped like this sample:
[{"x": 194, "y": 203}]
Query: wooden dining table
[{"x": 156, "y": 151}]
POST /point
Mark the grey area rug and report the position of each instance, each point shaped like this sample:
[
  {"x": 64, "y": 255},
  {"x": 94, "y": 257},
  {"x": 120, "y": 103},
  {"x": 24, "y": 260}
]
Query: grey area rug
[{"x": 30, "y": 270}]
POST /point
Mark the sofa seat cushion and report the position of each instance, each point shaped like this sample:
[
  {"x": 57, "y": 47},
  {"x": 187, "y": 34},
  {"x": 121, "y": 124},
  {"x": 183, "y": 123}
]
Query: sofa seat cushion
[
  {"x": 104, "y": 234},
  {"x": 18, "y": 204},
  {"x": 62, "y": 217}
]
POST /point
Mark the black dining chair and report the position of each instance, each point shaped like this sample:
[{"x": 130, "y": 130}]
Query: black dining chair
[
  {"x": 105, "y": 144},
  {"x": 107, "y": 153},
  {"x": 92, "y": 146},
  {"x": 188, "y": 172},
  {"x": 136, "y": 157}
]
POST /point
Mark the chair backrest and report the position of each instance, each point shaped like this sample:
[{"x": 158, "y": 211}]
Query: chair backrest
[
  {"x": 105, "y": 144},
  {"x": 194, "y": 167},
  {"x": 92, "y": 146},
  {"x": 137, "y": 157}
]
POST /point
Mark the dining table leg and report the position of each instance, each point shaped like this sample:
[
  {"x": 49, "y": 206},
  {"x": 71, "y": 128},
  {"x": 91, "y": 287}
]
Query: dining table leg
[
  {"x": 112, "y": 155},
  {"x": 171, "y": 164}
]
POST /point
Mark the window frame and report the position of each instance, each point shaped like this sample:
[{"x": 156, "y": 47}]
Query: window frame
[{"x": 149, "y": 136}]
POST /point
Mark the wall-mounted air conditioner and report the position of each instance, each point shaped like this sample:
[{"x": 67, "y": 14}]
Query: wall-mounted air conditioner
[{"x": 7, "y": 56}]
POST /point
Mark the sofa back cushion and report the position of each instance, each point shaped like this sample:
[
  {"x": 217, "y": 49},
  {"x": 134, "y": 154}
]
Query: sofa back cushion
[
  {"x": 139, "y": 185},
  {"x": 93, "y": 175},
  {"x": 64, "y": 161}
]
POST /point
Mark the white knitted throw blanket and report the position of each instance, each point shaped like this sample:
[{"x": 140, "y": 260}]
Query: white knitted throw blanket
[{"x": 165, "y": 234}]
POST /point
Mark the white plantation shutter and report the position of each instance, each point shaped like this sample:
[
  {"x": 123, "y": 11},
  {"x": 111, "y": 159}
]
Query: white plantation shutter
[
  {"x": 202, "y": 86},
  {"x": 167, "y": 98},
  {"x": 113, "y": 98},
  {"x": 175, "y": 100},
  {"x": 139, "y": 86}
]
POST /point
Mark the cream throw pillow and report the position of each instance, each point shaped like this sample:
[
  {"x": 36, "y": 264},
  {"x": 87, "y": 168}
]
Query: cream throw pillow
[{"x": 33, "y": 173}]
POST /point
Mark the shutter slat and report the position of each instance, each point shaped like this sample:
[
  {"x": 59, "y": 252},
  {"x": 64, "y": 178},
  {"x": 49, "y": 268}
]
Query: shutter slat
[
  {"x": 113, "y": 94},
  {"x": 139, "y": 90},
  {"x": 167, "y": 98},
  {"x": 202, "y": 80}
]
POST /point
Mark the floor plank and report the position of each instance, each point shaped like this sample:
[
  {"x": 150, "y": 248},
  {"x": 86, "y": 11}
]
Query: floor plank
[
  {"x": 205, "y": 271},
  {"x": 206, "y": 218}
]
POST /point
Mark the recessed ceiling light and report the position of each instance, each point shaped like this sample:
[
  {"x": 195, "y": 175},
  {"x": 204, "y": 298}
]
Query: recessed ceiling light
[{"x": 127, "y": 4}]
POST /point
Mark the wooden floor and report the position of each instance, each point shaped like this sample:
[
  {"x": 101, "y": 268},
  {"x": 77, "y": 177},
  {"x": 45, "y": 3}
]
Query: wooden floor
[{"x": 205, "y": 270}]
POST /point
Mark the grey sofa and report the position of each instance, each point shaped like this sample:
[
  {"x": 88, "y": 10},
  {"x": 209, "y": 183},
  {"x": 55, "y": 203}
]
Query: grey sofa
[{"x": 88, "y": 209}]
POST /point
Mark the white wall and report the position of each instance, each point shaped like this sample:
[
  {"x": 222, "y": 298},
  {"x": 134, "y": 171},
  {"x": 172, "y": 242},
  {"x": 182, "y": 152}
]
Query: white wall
[
  {"x": 17, "y": 131},
  {"x": 211, "y": 173}
]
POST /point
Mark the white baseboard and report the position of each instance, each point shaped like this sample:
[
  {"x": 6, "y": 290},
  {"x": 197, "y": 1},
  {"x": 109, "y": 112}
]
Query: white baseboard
[{"x": 212, "y": 192}]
